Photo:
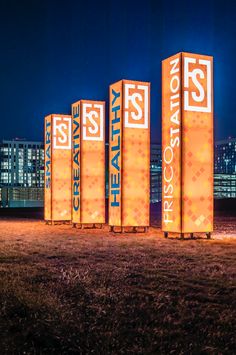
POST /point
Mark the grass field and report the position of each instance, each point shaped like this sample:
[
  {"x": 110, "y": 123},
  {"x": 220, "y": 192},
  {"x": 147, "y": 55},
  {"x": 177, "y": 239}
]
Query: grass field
[{"x": 67, "y": 291}]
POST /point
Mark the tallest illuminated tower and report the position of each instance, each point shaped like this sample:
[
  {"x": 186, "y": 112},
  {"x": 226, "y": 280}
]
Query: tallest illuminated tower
[{"x": 187, "y": 144}]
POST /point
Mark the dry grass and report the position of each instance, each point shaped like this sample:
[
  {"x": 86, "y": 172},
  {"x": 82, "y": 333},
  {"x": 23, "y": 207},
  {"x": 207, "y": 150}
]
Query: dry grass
[{"x": 66, "y": 291}]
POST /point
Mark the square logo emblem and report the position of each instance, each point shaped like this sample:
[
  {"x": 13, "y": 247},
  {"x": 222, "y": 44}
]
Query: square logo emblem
[
  {"x": 93, "y": 121},
  {"x": 61, "y": 132},
  {"x": 136, "y": 105},
  {"x": 197, "y": 85}
]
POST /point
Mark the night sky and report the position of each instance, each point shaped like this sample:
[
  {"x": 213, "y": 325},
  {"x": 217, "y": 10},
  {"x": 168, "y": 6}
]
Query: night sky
[{"x": 56, "y": 52}]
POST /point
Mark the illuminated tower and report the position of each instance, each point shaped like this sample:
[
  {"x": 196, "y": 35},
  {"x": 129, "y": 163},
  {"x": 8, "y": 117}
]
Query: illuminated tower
[
  {"x": 57, "y": 175},
  {"x": 187, "y": 144},
  {"x": 88, "y": 163},
  {"x": 129, "y": 154}
]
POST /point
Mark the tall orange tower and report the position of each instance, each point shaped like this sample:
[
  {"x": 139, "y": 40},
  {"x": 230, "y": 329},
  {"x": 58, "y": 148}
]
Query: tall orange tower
[
  {"x": 129, "y": 154},
  {"x": 187, "y": 144}
]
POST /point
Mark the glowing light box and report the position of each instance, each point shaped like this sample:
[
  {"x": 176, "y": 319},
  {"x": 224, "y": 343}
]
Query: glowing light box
[
  {"x": 88, "y": 162},
  {"x": 187, "y": 143},
  {"x": 129, "y": 154},
  {"x": 57, "y": 190}
]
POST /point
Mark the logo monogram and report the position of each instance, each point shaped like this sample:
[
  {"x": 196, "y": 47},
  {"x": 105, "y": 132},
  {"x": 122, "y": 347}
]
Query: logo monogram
[
  {"x": 136, "y": 106},
  {"x": 197, "y": 85},
  {"x": 62, "y": 132},
  {"x": 93, "y": 122}
]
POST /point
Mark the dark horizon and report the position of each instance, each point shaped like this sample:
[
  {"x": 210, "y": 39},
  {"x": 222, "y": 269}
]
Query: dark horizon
[{"x": 56, "y": 53}]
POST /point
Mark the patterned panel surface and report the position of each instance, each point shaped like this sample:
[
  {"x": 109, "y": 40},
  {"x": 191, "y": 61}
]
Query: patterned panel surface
[
  {"x": 197, "y": 149},
  {"x": 115, "y": 154},
  {"x": 61, "y": 167},
  {"x": 171, "y": 144},
  {"x": 92, "y": 161},
  {"x": 136, "y": 154}
]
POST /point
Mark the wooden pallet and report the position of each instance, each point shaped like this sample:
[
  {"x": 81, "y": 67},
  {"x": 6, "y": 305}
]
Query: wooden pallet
[
  {"x": 55, "y": 223},
  {"x": 182, "y": 235},
  {"x": 88, "y": 225},
  {"x": 130, "y": 229}
]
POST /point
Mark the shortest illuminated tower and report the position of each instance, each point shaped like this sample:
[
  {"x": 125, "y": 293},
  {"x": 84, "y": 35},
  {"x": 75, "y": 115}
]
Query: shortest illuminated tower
[
  {"x": 129, "y": 154},
  {"x": 187, "y": 144},
  {"x": 57, "y": 164}
]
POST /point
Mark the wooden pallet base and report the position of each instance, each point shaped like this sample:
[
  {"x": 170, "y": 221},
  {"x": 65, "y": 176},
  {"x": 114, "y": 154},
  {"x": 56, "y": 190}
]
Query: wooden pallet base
[
  {"x": 191, "y": 235},
  {"x": 55, "y": 223},
  {"x": 88, "y": 225},
  {"x": 118, "y": 229}
]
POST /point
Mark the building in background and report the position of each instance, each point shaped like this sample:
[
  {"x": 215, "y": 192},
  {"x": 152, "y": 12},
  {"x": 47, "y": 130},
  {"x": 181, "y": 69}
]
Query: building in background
[
  {"x": 155, "y": 173},
  {"x": 21, "y": 173},
  {"x": 225, "y": 156},
  {"x": 225, "y": 169},
  {"x": 225, "y": 185}
]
